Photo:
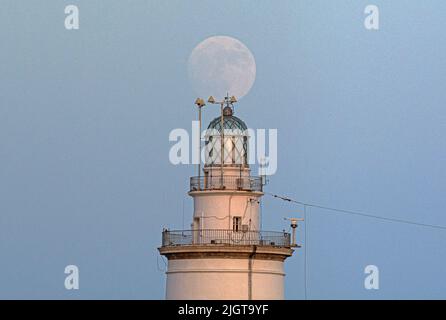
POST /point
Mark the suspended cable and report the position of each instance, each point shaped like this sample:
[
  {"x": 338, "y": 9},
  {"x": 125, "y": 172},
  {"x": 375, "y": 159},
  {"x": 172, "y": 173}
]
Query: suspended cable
[{"x": 368, "y": 215}]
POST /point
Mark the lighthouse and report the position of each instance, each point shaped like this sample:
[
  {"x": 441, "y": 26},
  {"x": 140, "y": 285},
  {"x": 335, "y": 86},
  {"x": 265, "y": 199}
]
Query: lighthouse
[{"x": 224, "y": 255}]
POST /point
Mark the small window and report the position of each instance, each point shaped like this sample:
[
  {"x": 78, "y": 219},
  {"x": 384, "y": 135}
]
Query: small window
[{"x": 237, "y": 224}]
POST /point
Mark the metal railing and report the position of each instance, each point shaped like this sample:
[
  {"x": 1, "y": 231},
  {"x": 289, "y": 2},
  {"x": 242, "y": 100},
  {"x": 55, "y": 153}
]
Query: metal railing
[
  {"x": 225, "y": 237},
  {"x": 228, "y": 183}
]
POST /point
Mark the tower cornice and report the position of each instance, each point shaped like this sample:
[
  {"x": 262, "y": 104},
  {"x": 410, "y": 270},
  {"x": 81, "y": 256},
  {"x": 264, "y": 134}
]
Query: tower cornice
[
  {"x": 226, "y": 252},
  {"x": 225, "y": 192}
]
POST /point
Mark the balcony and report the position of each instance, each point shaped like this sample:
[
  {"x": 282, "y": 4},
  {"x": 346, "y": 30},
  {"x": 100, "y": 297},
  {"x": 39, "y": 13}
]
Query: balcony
[
  {"x": 214, "y": 237},
  {"x": 239, "y": 183}
]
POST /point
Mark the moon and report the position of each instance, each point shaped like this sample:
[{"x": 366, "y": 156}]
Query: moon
[{"x": 220, "y": 65}]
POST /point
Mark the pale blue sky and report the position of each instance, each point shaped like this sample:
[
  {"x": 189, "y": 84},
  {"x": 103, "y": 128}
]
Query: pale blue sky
[{"x": 85, "y": 116}]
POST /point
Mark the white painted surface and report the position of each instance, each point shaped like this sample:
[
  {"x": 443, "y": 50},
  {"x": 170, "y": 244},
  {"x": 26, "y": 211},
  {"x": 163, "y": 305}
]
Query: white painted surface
[
  {"x": 216, "y": 209},
  {"x": 224, "y": 279}
]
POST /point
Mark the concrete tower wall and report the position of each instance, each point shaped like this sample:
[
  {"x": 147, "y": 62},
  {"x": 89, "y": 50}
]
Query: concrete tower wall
[
  {"x": 225, "y": 279},
  {"x": 215, "y": 210}
]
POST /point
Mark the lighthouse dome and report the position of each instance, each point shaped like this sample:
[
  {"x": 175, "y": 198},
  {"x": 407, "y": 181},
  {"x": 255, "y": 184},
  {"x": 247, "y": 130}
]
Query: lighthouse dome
[
  {"x": 235, "y": 140},
  {"x": 230, "y": 122}
]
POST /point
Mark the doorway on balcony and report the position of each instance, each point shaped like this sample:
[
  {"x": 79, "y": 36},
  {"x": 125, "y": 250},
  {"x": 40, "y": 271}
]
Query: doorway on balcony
[{"x": 236, "y": 224}]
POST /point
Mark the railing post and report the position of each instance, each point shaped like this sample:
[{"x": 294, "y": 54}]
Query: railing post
[{"x": 163, "y": 237}]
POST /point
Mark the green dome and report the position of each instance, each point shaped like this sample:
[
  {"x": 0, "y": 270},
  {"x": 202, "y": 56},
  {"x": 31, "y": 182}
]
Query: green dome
[{"x": 229, "y": 122}]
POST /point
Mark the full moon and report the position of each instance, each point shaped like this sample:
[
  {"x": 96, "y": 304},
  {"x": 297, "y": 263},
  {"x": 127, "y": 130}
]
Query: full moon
[{"x": 221, "y": 65}]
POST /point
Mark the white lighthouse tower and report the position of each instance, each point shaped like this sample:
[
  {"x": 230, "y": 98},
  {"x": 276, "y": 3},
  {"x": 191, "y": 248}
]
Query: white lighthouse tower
[{"x": 224, "y": 254}]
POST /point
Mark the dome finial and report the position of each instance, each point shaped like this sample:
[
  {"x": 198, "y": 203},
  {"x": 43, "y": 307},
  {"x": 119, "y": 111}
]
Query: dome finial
[{"x": 227, "y": 111}]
